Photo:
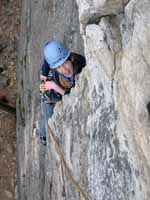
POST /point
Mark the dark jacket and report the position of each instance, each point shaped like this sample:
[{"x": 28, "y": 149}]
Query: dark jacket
[{"x": 65, "y": 83}]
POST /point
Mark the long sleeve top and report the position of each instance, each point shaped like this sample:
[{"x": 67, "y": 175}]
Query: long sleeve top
[{"x": 66, "y": 83}]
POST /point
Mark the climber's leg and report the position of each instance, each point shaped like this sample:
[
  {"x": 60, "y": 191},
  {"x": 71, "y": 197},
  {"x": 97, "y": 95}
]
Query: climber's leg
[{"x": 46, "y": 113}]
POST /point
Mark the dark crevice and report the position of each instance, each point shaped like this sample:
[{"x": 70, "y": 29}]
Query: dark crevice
[
  {"x": 125, "y": 2},
  {"x": 4, "y": 105},
  {"x": 95, "y": 19},
  {"x": 28, "y": 24},
  {"x": 51, "y": 186},
  {"x": 148, "y": 108},
  {"x": 1, "y": 70},
  {"x": 63, "y": 187}
]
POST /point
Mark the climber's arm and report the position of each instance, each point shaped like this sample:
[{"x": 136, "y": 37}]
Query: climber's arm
[
  {"x": 44, "y": 70},
  {"x": 51, "y": 85}
]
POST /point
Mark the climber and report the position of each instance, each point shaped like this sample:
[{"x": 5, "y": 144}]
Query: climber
[{"x": 57, "y": 78}]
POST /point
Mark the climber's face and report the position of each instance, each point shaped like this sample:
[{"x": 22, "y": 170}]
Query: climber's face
[{"x": 66, "y": 68}]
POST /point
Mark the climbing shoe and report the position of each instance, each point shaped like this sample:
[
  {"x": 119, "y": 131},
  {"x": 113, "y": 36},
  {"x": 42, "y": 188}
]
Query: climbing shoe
[{"x": 43, "y": 140}]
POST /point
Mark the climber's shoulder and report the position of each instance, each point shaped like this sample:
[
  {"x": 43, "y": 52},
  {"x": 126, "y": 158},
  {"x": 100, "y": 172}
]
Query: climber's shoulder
[{"x": 45, "y": 64}]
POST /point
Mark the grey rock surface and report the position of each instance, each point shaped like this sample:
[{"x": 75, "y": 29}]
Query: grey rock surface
[
  {"x": 41, "y": 21},
  {"x": 99, "y": 145}
]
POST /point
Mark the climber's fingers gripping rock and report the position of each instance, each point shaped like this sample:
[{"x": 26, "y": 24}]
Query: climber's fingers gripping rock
[
  {"x": 43, "y": 78},
  {"x": 48, "y": 85},
  {"x": 42, "y": 87}
]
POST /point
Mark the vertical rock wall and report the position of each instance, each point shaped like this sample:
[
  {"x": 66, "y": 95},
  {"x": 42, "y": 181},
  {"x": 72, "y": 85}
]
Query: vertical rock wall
[
  {"x": 100, "y": 147},
  {"x": 41, "y": 21}
]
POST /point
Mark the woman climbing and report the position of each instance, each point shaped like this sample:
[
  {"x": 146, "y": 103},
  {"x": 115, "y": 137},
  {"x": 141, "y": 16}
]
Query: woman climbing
[{"x": 57, "y": 78}]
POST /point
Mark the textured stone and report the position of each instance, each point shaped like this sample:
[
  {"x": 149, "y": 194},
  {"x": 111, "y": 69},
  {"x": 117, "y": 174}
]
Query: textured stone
[
  {"x": 91, "y": 11},
  {"x": 41, "y": 21},
  {"x": 3, "y": 81},
  {"x": 102, "y": 128},
  {"x": 9, "y": 194}
]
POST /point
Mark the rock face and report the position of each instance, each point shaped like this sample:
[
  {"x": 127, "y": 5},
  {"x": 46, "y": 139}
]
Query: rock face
[
  {"x": 9, "y": 30},
  {"x": 98, "y": 145}
]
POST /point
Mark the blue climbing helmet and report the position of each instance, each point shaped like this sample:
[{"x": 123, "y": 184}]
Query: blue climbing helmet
[{"x": 55, "y": 53}]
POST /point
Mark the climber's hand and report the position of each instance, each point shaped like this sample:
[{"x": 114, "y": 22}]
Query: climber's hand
[
  {"x": 48, "y": 85},
  {"x": 51, "y": 85},
  {"x": 42, "y": 87},
  {"x": 44, "y": 78}
]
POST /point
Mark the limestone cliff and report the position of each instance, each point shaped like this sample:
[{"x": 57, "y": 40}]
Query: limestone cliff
[{"x": 98, "y": 138}]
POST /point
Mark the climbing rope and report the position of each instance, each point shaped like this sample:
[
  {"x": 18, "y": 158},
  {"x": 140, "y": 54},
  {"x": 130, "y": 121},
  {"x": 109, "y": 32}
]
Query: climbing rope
[{"x": 83, "y": 194}]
